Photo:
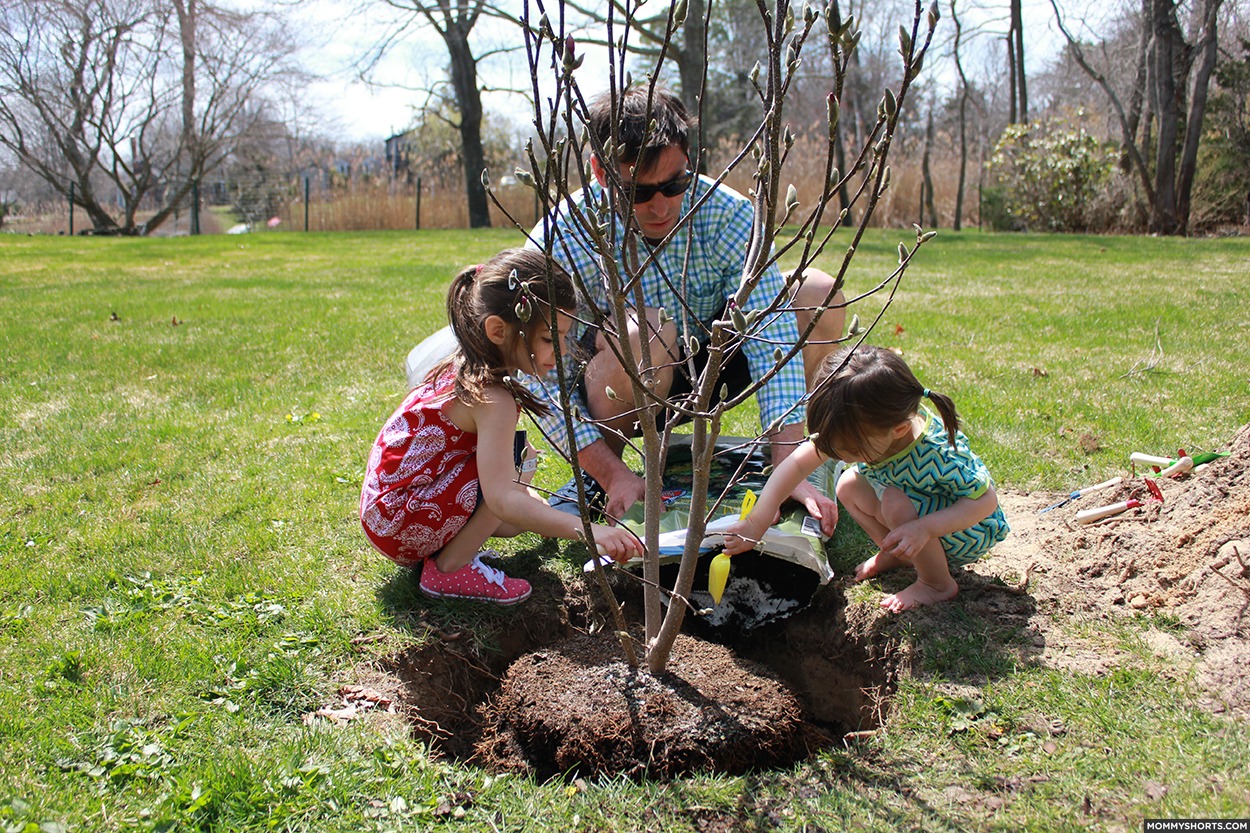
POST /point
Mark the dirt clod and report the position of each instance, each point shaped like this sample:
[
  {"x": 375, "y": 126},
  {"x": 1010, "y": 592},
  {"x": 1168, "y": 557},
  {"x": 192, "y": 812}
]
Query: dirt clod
[{"x": 1174, "y": 562}]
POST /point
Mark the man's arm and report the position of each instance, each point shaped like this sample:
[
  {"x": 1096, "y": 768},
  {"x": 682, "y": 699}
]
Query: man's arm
[
  {"x": 781, "y": 398},
  {"x": 624, "y": 488},
  {"x": 591, "y": 452}
]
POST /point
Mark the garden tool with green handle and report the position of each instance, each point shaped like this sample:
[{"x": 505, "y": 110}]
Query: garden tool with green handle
[{"x": 1174, "y": 465}]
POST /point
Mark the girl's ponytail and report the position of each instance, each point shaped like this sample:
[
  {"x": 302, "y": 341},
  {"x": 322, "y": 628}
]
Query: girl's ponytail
[
  {"x": 459, "y": 303},
  {"x": 946, "y": 410},
  {"x": 463, "y": 315}
]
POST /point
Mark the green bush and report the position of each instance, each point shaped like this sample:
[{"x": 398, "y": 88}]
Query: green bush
[
  {"x": 995, "y": 214},
  {"x": 1052, "y": 176}
]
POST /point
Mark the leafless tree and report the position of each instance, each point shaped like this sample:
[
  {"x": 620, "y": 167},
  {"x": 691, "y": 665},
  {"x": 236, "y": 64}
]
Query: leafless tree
[
  {"x": 1172, "y": 75},
  {"x": 557, "y": 168},
  {"x": 454, "y": 22},
  {"x": 962, "y": 96},
  {"x": 122, "y": 101},
  {"x": 1015, "y": 64}
]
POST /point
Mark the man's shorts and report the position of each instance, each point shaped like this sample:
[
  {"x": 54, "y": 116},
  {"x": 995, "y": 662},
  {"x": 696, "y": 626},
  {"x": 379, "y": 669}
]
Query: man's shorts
[{"x": 735, "y": 374}]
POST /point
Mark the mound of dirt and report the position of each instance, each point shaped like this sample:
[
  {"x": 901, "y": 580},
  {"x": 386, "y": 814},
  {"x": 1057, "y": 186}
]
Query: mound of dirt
[
  {"x": 1183, "y": 562},
  {"x": 577, "y": 706}
]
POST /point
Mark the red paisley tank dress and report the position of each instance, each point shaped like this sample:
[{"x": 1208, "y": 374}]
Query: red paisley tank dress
[{"x": 421, "y": 484}]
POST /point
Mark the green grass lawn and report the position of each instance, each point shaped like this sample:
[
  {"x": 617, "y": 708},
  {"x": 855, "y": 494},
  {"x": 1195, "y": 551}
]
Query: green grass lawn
[{"x": 182, "y": 572}]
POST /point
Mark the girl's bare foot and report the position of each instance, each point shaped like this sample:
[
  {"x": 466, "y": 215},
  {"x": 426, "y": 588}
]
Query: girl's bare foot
[
  {"x": 876, "y": 565},
  {"x": 919, "y": 594}
]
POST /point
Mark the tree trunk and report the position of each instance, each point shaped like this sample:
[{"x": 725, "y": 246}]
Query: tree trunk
[
  {"x": 187, "y": 20},
  {"x": 1011, "y": 78},
  {"x": 963, "y": 123},
  {"x": 926, "y": 204},
  {"x": 691, "y": 56},
  {"x": 1206, "y": 52},
  {"x": 1137, "y": 95},
  {"x": 1163, "y": 216},
  {"x": 1017, "y": 27},
  {"x": 469, "y": 102}
]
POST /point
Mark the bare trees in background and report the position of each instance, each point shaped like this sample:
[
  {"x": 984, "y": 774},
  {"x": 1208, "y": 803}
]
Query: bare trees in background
[
  {"x": 454, "y": 21},
  {"x": 1171, "y": 76},
  {"x": 127, "y": 102},
  {"x": 120, "y": 101}
]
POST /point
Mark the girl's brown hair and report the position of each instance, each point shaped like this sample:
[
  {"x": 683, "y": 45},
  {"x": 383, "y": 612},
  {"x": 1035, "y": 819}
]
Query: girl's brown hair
[
  {"x": 868, "y": 389},
  {"x": 521, "y": 286}
]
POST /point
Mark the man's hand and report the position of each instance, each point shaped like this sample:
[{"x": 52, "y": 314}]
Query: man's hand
[{"x": 624, "y": 488}]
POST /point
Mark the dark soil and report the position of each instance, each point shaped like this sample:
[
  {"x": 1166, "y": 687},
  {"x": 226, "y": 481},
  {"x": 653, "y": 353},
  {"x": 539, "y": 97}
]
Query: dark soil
[{"x": 578, "y": 706}]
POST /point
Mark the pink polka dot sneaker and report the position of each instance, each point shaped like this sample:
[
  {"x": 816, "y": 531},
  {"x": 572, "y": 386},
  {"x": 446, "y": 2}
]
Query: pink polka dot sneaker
[{"x": 475, "y": 580}]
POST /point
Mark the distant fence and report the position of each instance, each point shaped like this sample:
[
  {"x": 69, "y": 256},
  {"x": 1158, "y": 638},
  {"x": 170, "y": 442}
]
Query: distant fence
[
  {"x": 382, "y": 205},
  {"x": 332, "y": 202}
]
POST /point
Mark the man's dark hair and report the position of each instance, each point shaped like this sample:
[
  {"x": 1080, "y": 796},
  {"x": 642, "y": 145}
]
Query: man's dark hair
[{"x": 636, "y": 146}]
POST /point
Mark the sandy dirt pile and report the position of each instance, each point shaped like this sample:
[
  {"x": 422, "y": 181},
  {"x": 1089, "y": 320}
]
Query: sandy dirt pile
[{"x": 1183, "y": 562}]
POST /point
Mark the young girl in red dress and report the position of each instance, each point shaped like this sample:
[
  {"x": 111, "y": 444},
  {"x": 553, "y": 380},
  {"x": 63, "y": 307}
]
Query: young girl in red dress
[{"x": 443, "y": 476}]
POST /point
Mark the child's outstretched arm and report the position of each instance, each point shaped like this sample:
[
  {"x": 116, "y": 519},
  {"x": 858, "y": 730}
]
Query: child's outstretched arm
[
  {"x": 512, "y": 502},
  {"x": 907, "y": 540},
  {"x": 789, "y": 473}
]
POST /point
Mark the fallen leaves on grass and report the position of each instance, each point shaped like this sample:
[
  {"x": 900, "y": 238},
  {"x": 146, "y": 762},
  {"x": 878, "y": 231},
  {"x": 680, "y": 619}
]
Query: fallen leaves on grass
[
  {"x": 356, "y": 699},
  {"x": 1089, "y": 443}
]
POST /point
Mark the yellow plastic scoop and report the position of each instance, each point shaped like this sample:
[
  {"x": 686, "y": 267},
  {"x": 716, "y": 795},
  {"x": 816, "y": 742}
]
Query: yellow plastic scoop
[{"x": 718, "y": 570}]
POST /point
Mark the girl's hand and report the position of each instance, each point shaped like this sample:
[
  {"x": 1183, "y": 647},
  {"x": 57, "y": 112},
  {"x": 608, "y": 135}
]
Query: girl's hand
[
  {"x": 820, "y": 507},
  {"x": 616, "y": 542},
  {"x": 906, "y": 541},
  {"x": 744, "y": 535}
]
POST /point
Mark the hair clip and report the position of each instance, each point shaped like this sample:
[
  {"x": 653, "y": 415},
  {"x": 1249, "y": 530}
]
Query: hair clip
[{"x": 513, "y": 281}]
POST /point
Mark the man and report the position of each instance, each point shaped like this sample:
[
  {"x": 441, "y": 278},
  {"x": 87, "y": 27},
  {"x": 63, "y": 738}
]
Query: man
[{"x": 698, "y": 266}]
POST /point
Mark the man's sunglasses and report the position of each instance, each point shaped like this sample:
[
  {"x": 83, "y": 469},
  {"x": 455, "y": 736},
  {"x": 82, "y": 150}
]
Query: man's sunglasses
[{"x": 675, "y": 187}]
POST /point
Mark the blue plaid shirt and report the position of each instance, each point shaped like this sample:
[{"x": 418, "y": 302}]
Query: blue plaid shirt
[{"x": 716, "y": 242}]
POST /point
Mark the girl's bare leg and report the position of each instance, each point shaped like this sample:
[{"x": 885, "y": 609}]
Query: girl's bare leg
[
  {"x": 481, "y": 527},
  {"x": 813, "y": 288},
  {"x": 859, "y": 498},
  {"x": 933, "y": 582},
  {"x": 468, "y": 541}
]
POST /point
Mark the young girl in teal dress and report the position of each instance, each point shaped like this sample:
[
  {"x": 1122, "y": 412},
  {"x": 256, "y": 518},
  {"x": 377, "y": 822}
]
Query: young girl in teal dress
[{"x": 916, "y": 488}]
